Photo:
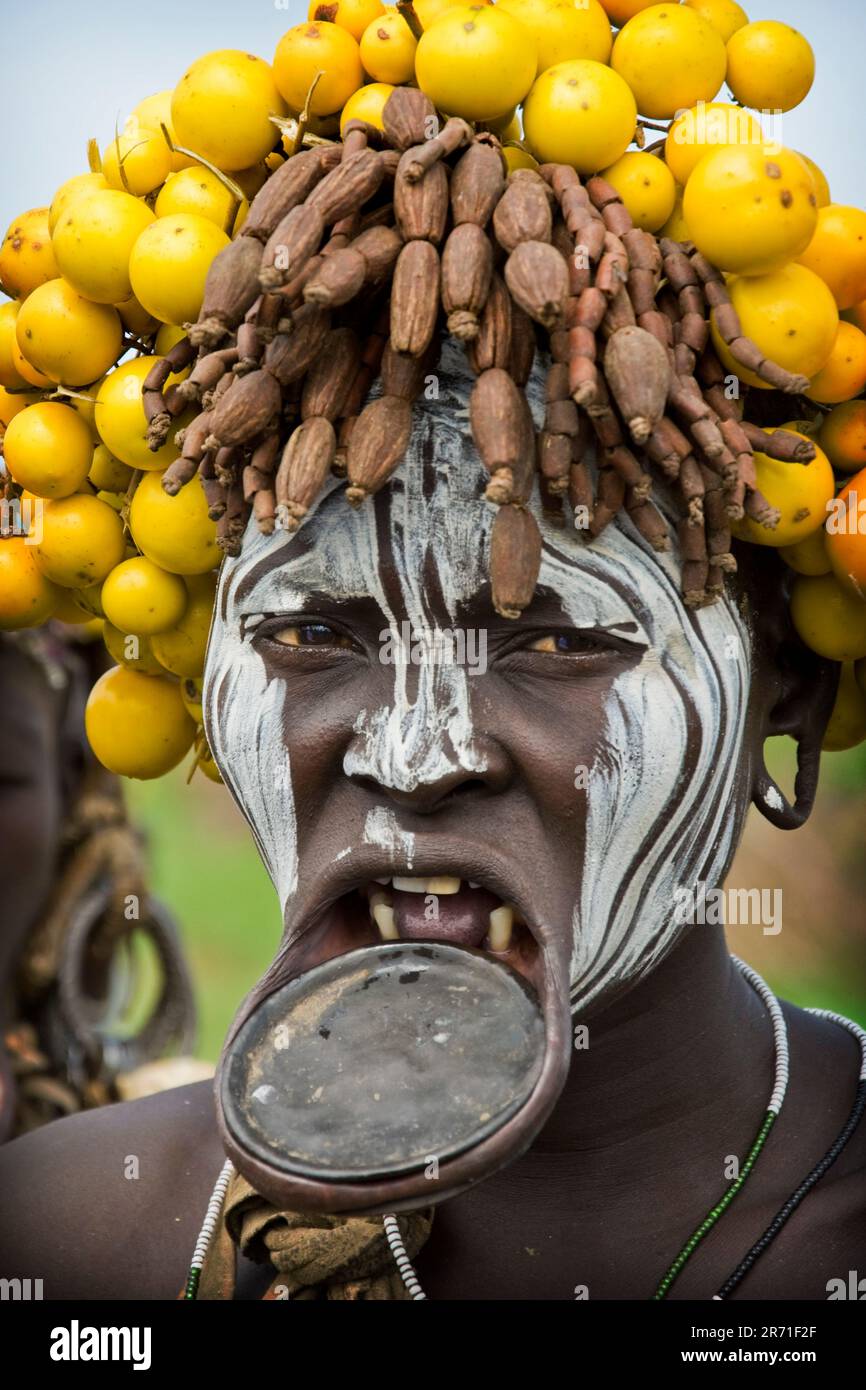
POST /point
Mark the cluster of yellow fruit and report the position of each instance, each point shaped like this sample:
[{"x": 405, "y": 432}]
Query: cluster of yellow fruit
[{"x": 102, "y": 282}]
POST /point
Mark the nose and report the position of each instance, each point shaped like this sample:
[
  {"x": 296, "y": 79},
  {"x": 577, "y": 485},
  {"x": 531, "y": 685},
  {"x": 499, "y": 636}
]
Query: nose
[{"x": 487, "y": 772}]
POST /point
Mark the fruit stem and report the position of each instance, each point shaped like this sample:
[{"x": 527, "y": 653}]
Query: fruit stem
[
  {"x": 134, "y": 481},
  {"x": 233, "y": 188},
  {"x": 94, "y": 159},
  {"x": 288, "y": 125},
  {"x": 407, "y": 10}
]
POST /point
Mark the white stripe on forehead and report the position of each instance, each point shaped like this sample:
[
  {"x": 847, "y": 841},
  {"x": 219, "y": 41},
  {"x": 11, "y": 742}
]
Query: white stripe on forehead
[{"x": 682, "y": 704}]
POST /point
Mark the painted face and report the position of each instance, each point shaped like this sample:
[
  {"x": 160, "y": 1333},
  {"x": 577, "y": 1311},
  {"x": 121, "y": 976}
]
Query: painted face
[
  {"x": 412, "y": 765},
  {"x": 364, "y": 701}
]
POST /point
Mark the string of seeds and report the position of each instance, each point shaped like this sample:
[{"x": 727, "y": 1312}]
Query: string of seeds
[{"x": 356, "y": 258}]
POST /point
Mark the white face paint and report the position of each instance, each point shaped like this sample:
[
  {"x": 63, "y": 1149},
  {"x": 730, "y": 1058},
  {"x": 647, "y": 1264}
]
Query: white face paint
[{"x": 680, "y": 709}]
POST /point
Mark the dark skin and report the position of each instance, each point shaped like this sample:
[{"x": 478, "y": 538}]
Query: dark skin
[{"x": 675, "y": 1080}]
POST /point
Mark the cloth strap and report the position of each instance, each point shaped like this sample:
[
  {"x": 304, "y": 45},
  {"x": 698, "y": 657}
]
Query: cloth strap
[{"x": 313, "y": 1254}]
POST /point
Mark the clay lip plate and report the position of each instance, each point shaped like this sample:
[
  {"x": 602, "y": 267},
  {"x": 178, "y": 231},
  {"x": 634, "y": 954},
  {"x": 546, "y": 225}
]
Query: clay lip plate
[{"x": 381, "y": 1060}]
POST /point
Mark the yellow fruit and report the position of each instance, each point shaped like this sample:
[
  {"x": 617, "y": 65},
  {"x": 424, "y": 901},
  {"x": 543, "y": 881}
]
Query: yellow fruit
[
  {"x": 198, "y": 190},
  {"x": 366, "y": 105},
  {"x": 671, "y": 58},
  {"x": 808, "y": 556},
  {"x": 847, "y": 725},
  {"x": 819, "y": 178},
  {"x": 136, "y": 724},
  {"x": 429, "y": 12},
  {"x": 208, "y": 766},
  {"x": 168, "y": 335},
  {"x": 676, "y": 227},
  {"x": 750, "y": 212},
  {"x": 843, "y": 375},
  {"x": 507, "y": 126},
  {"x": 704, "y": 129},
  {"x": 108, "y": 474},
  {"x": 141, "y": 598},
  {"x": 135, "y": 319},
  {"x": 843, "y": 436},
  {"x": 66, "y": 610},
  {"x": 829, "y": 619},
  {"x": 152, "y": 113},
  {"x": 93, "y": 241},
  {"x": 846, "y": 536},
  {"x": 579, "y": 113},
  {"x": 191, "y": 694},
  {"x": 517, "y": 158},
  {"x": 82, "y": 541},
  {"x": 27, "y": 598},
  {"x": 476, "y": 62},
  {"x": 310, "y": 48},
  {"x": 564, "y": 30},
  {"x": 12, "y": 405},
  {"x": 25, "y": 369},
  {"x": 800, "y": 491},
  {"x": 790, "y": 314},
  {"x": 646, "y": 186},
  {"x": 48, "y": 449},
  {"x": 121, "y": 422},
  {"x": 131, "y": 651},
  {"x": 10, "y": 377},
  {"x": 137, "y": 162},
  {"x": 175, "y": 532},
  {"x": 388, "y": 49},
  {"x": 726, "y": 16},
  {"x": 182, "y": 649},
  {"x": 620, "y": 11},
  {"x": 67, "y": 337},
  {"x": 222, "y": 105},
  {"x": 856, "y": 314},
  {"x": 26, "y": 255},
  {"x": 170, "y": 262},
  {"x": 771, "y": 67},
  {"x": 352, "y": 15},
  {"x": 69, "y": 191},
  {"x": 837, "y": 252}
]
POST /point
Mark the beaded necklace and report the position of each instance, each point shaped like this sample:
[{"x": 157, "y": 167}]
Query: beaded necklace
[{"x": 777, "y": 1096}]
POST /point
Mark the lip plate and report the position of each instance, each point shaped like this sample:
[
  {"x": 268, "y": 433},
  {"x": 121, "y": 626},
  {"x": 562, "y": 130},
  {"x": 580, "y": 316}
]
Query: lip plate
[{"x": 429, "y": 1087}]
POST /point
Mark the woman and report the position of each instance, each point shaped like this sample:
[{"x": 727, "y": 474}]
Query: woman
[{"x": 603, "y": 758}]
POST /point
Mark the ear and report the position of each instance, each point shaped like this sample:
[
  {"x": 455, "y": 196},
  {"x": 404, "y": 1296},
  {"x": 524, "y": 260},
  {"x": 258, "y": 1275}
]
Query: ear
[{"x": 796, "y": 691}]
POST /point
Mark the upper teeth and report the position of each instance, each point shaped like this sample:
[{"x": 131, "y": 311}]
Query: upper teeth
[{"x": 438, "y": 884}]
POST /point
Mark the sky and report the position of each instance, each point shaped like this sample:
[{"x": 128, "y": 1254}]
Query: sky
[{"x": 72, "y": 70}]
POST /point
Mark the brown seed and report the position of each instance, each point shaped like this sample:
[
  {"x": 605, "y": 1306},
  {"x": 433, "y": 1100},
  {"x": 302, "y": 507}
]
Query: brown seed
[
  {"x": 467, "y": 268},
  {"x": 231, "y": 287},
  {"x": 492, "y": 346},
  {"x": 537, "y": 278},
  {"x": 496, "y": 417},
  {"x": 245, "y": 411},
  {"x": 408, "y": 117},
  {"x": 348, "y": 186},
  {"x": 421, "y": 207},
  {"x": 290, "y": 246},
  {"x": 639, "y": 375},
  {"x": 376, "y": 445},
  {"x": 284, "y": 190},
  {"x": 415, "y": 298},
  {"x": 329, "y": 379},
  {"x": 337, "y": 280},
  {"x": 515, "y": 560},
  {"x": 290, "y": 354},
  {"x": 304, "y": 467},
  {"x": 522, "y": 214},
  {"x": 477, "y": 183},
  {"x": 522, "y": 353},
  {"x": 380, "y": 246},
  {"x": 404, "y": 376}
]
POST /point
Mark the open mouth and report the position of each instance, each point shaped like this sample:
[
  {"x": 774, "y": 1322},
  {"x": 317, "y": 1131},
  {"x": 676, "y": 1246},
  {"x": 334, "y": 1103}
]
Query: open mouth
[{"x": 411, "y": 1039}]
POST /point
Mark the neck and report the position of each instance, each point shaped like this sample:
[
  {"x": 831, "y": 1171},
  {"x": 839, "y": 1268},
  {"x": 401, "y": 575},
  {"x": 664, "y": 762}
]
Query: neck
[{"x": 688, "y": 1043}]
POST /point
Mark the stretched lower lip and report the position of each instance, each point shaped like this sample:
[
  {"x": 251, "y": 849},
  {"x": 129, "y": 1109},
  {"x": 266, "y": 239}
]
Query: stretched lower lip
[{"x": 348, "y": 925}]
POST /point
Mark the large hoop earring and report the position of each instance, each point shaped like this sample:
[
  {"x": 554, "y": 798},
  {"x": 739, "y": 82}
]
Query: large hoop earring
[{"x": 770, "y": 800}]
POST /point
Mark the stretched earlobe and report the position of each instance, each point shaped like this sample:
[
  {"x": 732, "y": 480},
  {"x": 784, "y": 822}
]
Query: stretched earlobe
[{"x": 805, "y": 718}]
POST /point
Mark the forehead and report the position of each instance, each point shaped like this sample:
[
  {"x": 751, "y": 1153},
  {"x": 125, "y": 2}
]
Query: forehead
[{"x": 419, "y": 549}]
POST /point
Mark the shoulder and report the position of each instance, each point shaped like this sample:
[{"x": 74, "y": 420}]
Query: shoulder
[{"x": 108, "y": 1203}]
